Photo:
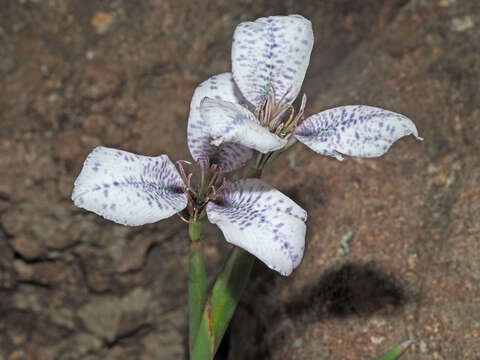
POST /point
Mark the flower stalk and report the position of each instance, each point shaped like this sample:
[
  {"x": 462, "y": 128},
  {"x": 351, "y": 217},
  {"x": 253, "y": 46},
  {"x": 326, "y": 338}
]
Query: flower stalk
[
  {"x": 197, "y": 281},
  {"x": 222, "y": 303}
]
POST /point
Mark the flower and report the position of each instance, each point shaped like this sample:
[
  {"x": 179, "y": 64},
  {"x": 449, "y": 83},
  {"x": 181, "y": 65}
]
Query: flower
[
  {"x": 133, "y": 190},
  {"x": 232, "y": 116},
  {"x": 250, "y": 108}
]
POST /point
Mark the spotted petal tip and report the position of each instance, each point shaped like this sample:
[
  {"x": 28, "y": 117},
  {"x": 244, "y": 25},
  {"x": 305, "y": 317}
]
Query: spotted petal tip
[
  {"x": 271, "y": 53},
  {"x": 354, "y": 130},
  {"x": 230, "y": 156},
  {"x": 263, "y": 221},
  {"x": 127, "y": 188}
]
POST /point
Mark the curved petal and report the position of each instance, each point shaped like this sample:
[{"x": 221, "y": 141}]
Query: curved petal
[
  {"x": 129, "y": 189},
  {"x": 231, "y": 156},
  {"x": 271, "y": 51},
  {"x": 263, "y": 221},
  {"x": 355, "y": 130},
  {"x": 229, "y": 122}
]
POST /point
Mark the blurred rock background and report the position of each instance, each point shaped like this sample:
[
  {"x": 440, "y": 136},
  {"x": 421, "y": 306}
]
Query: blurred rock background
[{"x": 393, "y": 243}]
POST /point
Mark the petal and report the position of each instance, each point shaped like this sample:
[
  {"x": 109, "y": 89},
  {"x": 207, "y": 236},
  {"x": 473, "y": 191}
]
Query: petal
[
  {"x": 231, "y": 156},
  {"x": 263, "y": 221},
  {"x": 271, "y": 51},
  {"x": 229, "y": 122},
  {"x": 127, "y": 188},
  {"x": 355, "y": 130}
]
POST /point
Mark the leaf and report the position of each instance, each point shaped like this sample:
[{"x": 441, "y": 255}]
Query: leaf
[{"x": 397, "y": 351}]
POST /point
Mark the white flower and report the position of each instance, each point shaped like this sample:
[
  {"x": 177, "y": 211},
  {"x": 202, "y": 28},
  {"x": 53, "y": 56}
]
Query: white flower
[
  {"x": 233, "y": 113},
  {"x": 231, "y": 116},
  {"x": 133, "y": 190}
]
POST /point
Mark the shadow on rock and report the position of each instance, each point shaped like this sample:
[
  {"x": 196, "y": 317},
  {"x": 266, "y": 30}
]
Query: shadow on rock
[{"x": 352, "y": 289}]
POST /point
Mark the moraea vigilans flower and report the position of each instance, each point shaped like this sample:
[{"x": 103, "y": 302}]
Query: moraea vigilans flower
[
  {"x": 250, "y": 108},
  {"x": 232, "y": 117},
  {"x": 133, "y": 190}
]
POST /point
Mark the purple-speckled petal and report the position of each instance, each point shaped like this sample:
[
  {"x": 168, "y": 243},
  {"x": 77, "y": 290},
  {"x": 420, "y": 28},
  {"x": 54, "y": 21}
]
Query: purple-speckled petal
[
  {"x": 263, "y": 221},
  {"x": 271, "y": 51},
  {"x": 127, "y": 188},
  {"x": 232, "y": 123},
  {"x": 355, "y": 130},
  {"x": 231, "y": 156}
]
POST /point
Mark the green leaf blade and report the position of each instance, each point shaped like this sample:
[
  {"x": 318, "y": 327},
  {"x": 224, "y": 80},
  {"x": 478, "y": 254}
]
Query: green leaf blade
[{"x": 397, "y": 351}]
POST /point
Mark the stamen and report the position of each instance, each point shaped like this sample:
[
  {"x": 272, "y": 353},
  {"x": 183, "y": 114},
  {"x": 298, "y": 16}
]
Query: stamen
[
  {"x": 280, "y": 127},
  {"x": 214, "y": 193},
  {"x": 183, "y": 175},
  {"x": 268, "y": 111},
  {"x": 304, "y": 102},
  {"x": 277, "y": 116},
  {"x": 189, "y": 178},
  {"x": 189, "y": 202},
  {"x": 285, "y": 95},
  {"x": 290, "y": 118},
  {"x": 222, "y": 187},
  {"x": 185, "y": 220},
  {"x": 260, "y": 108},
  {"x": 299, "y": 116},
  {"x": 213, "y": 180}
]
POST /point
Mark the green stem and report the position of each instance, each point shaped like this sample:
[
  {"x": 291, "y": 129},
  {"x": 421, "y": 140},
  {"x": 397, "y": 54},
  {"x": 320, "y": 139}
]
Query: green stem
[
  {"x": 222, "y": 303},
  {"x": 194, "y": 229},
  {"x": 225, "y": 296},
  {"x": 197, "y": 282},
  {"x": 253, "y": 171}
]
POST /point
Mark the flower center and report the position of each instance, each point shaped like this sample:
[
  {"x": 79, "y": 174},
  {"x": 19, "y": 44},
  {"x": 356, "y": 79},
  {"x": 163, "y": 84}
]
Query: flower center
[
  {"x": 212, "y": 186},
  {"x": 271, "y": 114}
]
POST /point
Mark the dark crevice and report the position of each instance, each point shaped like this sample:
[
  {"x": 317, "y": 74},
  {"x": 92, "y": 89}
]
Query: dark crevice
[
  {"x": 39, "y": 260},
  {"x": 4, "y": 232},
  {"x": 5, "y": 197},
  {"x": 131, "y": 335},
  {"x": 67, "y": 247},
  {"x": 35, "y": 283},
  {"x": 84, "y": 273},
  {"x": 151, "y": 248}
]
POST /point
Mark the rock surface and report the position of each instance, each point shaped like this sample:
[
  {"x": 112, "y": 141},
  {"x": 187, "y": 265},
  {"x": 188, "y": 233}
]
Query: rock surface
[{"x": 393, "y": 243}]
